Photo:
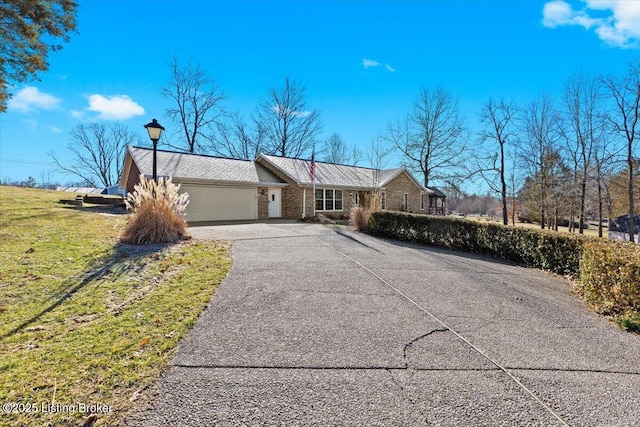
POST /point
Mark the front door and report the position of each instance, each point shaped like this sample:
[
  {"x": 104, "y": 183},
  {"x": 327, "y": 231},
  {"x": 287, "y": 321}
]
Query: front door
[{"x": 275, "y": 210}]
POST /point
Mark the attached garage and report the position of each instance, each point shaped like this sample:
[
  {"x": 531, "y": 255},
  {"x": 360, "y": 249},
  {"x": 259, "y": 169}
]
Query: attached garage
[
  {"x": 220, "y": 189},
  {"x": 219, "y": 203}
]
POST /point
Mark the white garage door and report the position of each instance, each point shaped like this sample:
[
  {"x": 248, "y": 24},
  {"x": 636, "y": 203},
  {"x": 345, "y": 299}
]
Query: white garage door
[{"x": 212, "y": 203}]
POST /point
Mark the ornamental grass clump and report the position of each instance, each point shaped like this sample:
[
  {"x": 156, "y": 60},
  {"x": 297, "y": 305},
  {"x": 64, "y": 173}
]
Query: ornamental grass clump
[
  {"x": 359, "y": 218},
  {"x": 157, "y": 213}
]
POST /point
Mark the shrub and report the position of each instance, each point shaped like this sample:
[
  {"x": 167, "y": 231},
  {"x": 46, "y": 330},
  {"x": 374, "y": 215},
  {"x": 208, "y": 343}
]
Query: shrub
[
  {"x": 157, "y": 213},
  {"x": 610, "y": 277},
  {"x": 547, "y": 250},
  {"x": 359, "y": 218}
]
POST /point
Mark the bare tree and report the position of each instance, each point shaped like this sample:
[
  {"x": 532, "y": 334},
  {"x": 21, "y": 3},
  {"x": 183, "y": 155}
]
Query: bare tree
[
  {"x": 289, "y": 126},
  {"x": 604, "y": 156},
  {"x": 432, "y": 137},
  {"x": 498, "y": 120},
  {"x": 582, "y": 129},
  {"x": 539, "y": 120},
  {"x": 98, "y": 151},
  {"x": 378, "y": 154},
  {"x": 624, "y": 91},
  {"x": 197, "y": 105},
  {"x": 236, "y": 139},
  {"x": 335, "y": 150}
]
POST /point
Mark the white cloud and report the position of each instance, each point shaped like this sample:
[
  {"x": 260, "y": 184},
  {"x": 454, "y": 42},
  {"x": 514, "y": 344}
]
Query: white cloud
[
  {"x": 283, "y": 111},
  {"x": 30, "y": 98},
  {"x": 76, "y": 114},
  {"x": 117, "y": 107},
  {"x": 616, "y": 22},
  {"x": 368, "y": 63},
  {"x": 55, "y": 129},
  {"x": 372, "y": 63}
]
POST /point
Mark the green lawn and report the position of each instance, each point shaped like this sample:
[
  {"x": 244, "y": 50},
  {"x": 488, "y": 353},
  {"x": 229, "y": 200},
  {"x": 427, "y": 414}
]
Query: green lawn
[{"x": 83, "y": 319}]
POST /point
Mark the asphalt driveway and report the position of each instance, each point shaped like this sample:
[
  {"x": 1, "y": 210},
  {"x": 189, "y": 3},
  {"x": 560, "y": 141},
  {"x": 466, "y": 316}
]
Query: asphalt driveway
[{"x": 324, "y": 326}]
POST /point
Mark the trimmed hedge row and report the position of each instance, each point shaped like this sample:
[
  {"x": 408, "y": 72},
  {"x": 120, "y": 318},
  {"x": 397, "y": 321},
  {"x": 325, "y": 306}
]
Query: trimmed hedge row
[
  {"x": 547, "y": 250},
  {"x": 610, "y": 276},
  {"x": 609, "y": 271}
]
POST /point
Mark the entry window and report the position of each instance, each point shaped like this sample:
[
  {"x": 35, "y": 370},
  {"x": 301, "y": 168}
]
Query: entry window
[
  {"x": 356, "y": 199},
  {"x": 319, "y": 200},
  {"x": 337, "y": 206},
  {"x": 406, "y": 201},
  {"x": 383, "y": 200},
  {"x": 422, "y": 202},
  {"x": 328, "y": 200}
]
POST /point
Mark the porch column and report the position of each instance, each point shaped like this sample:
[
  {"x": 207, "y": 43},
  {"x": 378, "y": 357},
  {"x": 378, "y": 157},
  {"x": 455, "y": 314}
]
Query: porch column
[{"x": 304, "y": 202}]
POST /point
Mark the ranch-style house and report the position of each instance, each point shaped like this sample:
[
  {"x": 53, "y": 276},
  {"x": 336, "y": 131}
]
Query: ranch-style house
[{"x": 222, "y": 189}]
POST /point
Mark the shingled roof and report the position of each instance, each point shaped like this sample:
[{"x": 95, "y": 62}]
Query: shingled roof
[
  {"x": 183, "y": 166},
  {"x": 334, "y": 175}
]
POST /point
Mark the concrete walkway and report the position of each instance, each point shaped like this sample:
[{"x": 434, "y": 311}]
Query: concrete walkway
[{"x": 322, "y": 326}]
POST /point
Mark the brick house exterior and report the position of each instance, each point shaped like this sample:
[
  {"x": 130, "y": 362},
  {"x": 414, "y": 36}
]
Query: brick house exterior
[
  {"x": 335, "y": 189},
  {"x": 279, "y": 187}
]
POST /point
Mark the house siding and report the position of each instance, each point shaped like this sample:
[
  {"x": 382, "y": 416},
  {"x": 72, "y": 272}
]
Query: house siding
[{"x": 395, "y": 190}]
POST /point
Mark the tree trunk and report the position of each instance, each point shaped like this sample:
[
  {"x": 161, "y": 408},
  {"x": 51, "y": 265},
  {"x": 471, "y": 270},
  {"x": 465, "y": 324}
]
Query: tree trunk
[
  {"x": 503, "y": 182},
  {"x": 632, "y": 224},
  {"x": 599, "y": 182},
  {"x": 542, "y": 204},
  {"x": 583, "y": 196}
]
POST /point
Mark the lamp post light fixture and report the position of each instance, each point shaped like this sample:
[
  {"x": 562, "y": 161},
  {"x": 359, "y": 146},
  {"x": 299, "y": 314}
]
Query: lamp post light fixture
[{"x": 155, "y": 131}]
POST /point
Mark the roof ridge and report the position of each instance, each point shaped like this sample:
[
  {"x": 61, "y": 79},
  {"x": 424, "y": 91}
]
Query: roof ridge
[
  {"x": 329, "y": 163},
  {"x": 210, "y": 156}
]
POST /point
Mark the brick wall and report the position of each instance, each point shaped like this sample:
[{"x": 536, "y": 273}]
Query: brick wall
[
  {"x": 292, "y": 201},
  {"x": 395, "y": 194},
  {"x": 292, "y": 197},
  {"x": 263, "y": 203}
]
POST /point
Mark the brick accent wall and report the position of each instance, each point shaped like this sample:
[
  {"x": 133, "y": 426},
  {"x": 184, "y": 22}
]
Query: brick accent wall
[
  {"x": 263, "y": 203},
  {"x": 292, "y": 201},
  {"x": 292, "y": 197},
  {"x": 395, "y": 194}
]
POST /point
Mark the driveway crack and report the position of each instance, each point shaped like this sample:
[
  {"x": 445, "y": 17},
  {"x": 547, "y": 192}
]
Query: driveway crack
[{"x": 412, "y": 342}]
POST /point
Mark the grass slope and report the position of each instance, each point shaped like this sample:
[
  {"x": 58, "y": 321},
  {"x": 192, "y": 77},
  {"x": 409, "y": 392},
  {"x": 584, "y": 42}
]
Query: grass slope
[{"x": 85, "y": 320}]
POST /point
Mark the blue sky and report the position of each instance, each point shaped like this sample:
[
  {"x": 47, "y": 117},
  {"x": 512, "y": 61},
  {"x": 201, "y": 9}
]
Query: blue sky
[{"x": 362, "y": 62}]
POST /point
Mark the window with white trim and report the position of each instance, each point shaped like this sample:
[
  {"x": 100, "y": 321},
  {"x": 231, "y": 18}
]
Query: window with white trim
[
  {"x": 356, "y": 198},
  {"x": 406, "y": 201},
  {"x": 328, "y": 199},
  {"x": 422, "y": 201}
]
